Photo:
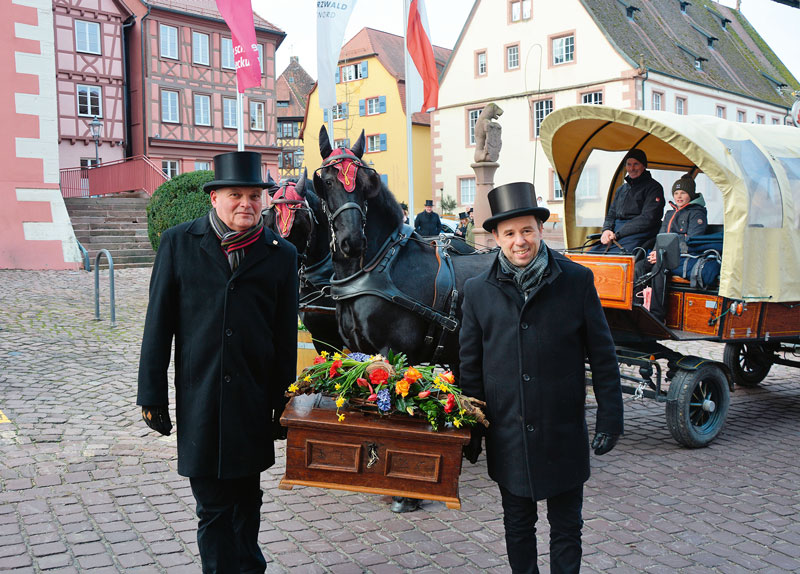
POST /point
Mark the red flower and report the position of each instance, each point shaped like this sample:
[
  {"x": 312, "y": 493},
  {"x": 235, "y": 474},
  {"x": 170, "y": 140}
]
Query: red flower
[
  {"x": 372, "y": 398},
  {"x": 424, "y": 394},
  {"x": 334, "y": 368},
  {"x": 379, "y": 376},
  {"x": 450, "y": 404},
  {"x": 362, "y": 382},
  {"x": 318, "y": 360}
]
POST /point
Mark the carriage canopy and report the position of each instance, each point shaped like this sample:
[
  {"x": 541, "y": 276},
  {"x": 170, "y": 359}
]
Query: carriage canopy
[{"x": 752, "y": 170}]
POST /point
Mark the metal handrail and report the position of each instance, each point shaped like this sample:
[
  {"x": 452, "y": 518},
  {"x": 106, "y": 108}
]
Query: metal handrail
[
  {"x": 97, "y": 285},
  {"x": 87, "y": 265}
]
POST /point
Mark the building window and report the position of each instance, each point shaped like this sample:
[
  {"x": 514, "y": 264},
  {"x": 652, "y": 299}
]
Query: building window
[
  {"x": 285, "y": 130},
  {"x": 257, "y": 116},
  {"x": 466, "y": 190},
  {"x": 202, "y": 110},
  {"x": 169, "y": 107},
  {"x": 88, "y": 162},
  {"x": 226, "y": 49},
  {"x": 473, "y": 119},
  {"x": 351, "y": 72},
  {"x": 776, "y": 121},
  {"x": 202, "y": 165},
  {"x": 342, "y": 143},
  {"x": 169, "y": 167},
  {"x": 558, "y": 193},
  {"x": 657, "y": 96},
  {"x": 520, "y": 10},
  {"x": 480, "y": 63},
  {"x": 169, "y": 41},
  {"x": 229, "y": 113},
  {"x": 741, "y": 116},
  {"x": 340, "y": 111},
  {"x": 282, "y": 104},
  {"x": 298, "y": 158},
  {"x": 721, "y": 112},
  {"x": 200, "y": 48},
  {"x": 563, "y": 50},
  {"x": 373, "y": 106},
  {"x": 680, "y": 106},
  {"x": 759, "y": 119},
  {"x": 260, "y": 48},
  {"x": 90, "y": 101},
  {"x": 512, "y": 57},
  {"x": 541, "y": 110},
  {"x": 374, "y": 142},
  {"x": 87, "y": 37},
  {"x": 592, "y": 98}
]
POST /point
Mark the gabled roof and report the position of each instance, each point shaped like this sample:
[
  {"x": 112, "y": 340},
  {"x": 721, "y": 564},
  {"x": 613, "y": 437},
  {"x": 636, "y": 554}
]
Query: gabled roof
[
  {"x": 733, "y": 56},
  {"x": 208, "y": 9},
  {"x": 293, "y": 86},
  {"x": 388, "y": 49}
]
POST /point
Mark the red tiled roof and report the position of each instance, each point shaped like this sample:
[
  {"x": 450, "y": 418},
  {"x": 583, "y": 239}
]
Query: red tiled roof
[
  {"x": 207, "y": 8},
  {"x": 294, "y": 85}
]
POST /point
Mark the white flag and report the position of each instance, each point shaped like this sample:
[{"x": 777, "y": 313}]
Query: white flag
[{"x": 332, "y": 17}]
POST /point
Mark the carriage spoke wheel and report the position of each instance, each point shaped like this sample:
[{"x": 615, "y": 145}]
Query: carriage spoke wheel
[
  {"x": 749, "y": 362},
  {"x": 697, "y": 404}
]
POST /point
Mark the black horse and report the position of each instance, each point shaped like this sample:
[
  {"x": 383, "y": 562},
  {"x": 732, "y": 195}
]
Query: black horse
[
  {"x": 369, "y": 243},
  {"x": 296, "y": 214}
]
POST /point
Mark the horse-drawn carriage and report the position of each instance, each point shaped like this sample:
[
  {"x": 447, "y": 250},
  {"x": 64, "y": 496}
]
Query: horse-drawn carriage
[{"x": 750, "y": 178}]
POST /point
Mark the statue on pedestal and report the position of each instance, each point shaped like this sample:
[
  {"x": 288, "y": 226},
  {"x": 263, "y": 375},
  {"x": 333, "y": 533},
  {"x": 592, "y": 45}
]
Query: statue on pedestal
[{"x": 487, "y": 134}]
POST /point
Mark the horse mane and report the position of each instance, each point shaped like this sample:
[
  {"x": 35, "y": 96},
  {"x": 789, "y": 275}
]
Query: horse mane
[{"x": 385, "y": 204}]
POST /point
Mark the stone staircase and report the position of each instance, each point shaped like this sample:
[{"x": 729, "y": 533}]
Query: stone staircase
[{"x": 116, "y": 223}]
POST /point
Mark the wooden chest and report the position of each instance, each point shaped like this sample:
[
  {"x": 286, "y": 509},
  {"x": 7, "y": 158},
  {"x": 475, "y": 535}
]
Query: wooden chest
[{"x": 396, "y": 455}]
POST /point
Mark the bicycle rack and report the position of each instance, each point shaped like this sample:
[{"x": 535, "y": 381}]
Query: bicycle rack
[
  {"x": 97, "y": 285},
  {"x": 87, "y": 266}
]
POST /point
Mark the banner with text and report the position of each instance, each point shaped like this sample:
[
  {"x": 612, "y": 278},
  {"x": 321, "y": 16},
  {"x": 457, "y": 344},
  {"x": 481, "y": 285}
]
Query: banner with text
[
  {"x": 238, "y": 14},
  {"x": 332, "y": 18}
]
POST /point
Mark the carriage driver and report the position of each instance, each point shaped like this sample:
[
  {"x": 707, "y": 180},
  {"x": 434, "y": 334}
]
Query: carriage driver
[
  {"x": 524, "y": 354},
  {"x": 225, "y": 287}
]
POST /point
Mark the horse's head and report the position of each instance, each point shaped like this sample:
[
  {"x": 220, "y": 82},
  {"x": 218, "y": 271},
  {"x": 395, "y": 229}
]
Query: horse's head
[
  {"x": 289, "y": 214},
  {"x": 345, "y": 184}
]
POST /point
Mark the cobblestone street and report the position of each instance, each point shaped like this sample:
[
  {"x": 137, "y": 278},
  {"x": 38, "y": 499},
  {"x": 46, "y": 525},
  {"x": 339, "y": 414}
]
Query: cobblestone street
[{"x": 85, "y": 486}]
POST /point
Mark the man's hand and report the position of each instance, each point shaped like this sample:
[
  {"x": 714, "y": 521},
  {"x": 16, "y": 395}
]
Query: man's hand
[
  {"x": 473, "y": 450},
  {"x": 607, "y": 237},
  {"x": 157, "y": 418},
  {"x": 651, "y": 257},
  {"x": 604, "y": 442}
]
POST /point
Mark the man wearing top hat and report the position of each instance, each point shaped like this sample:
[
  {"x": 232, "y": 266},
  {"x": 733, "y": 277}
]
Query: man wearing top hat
[
  {"x": 524, "y": 354},
  {"x": 427, "y": 222},
  {"x": 225, "y": 288}
]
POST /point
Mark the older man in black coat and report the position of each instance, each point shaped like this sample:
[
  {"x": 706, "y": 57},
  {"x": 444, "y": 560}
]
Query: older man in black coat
[
  {"x": 524, "y": 354},
  {"x": 225, "y": 288}
]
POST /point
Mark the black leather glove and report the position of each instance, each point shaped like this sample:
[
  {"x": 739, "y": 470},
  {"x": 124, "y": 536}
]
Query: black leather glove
[
  {"x": 604, "y": 442},
  {"x": 473, "y": 450},
  {"x": 157, "y": 418}
]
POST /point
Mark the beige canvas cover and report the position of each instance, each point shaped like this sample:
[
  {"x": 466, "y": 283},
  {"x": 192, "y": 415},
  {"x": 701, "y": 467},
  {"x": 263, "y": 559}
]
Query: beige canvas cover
[{"x": 755, "y": 167}]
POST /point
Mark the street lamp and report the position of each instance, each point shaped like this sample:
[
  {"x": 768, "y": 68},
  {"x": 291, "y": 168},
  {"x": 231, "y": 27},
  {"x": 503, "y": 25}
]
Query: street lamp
[{"x": 94, "y": 127}]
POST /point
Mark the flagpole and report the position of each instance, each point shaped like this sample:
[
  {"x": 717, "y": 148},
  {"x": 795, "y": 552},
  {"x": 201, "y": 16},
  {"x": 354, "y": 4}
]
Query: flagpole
[
  {"x": 409, "y": 144},
  {"x": 240, "y": 118}
]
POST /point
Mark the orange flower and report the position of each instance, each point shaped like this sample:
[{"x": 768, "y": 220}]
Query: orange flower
[
  {"x": 448, "y": 376},
  {"x": 401, "y": 387},
  {"x": 412, "y": 375}
]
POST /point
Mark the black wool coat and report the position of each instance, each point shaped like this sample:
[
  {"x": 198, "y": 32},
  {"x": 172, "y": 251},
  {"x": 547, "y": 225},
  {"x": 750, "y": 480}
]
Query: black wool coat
[
  {"x": 428, "y": 224},
  {"x": 235, "y": 346},
  {"x": 640, "y": 201},
  {"x": 526, "y": 360}
]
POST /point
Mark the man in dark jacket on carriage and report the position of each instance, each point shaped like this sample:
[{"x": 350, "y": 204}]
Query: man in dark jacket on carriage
[
  {"x": 225, "y": 288},
  {"x": 427, "y": 223},
  {"x": 688, "y": 218},
  {"x": 524, "y": 354},
  {"x": 635, "y": 212}
]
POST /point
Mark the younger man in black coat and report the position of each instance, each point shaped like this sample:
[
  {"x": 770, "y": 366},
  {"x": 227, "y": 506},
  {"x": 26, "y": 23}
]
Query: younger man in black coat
[
  {"x": 427, "y": 223},
  {"x": 523, "y": 353}
]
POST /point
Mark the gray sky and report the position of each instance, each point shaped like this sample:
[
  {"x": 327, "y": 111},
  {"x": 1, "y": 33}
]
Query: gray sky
[{"x": 779, "y": 25}]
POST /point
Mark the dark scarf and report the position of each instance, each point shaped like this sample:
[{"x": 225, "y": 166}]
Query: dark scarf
[
  {"x": 528, "y": 277},
  {"x": 234, "y": 243}
]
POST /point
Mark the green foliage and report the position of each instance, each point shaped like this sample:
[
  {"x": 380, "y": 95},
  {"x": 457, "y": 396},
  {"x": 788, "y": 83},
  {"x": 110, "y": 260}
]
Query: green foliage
[
  {"x": 448, "y": 205},
  {"x": 180, "y": 199}
]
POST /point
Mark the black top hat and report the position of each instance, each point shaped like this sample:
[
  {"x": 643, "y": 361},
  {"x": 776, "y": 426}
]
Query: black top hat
[
  {"x": 463, "y": 215},
  {"x": 428, "y": 202},
  {"x": 236, "y": 169},
  {"x": 513, "y": 200}
]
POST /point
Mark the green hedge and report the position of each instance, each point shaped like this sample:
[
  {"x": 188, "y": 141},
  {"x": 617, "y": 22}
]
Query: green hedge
[{"x": 180, "y": 199}]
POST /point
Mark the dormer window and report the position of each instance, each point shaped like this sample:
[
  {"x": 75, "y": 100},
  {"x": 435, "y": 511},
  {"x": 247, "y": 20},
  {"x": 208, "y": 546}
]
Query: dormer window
[
  {"x": 709, "y": 38},
  {"x": 723, "y": 21},
  {"x": 777, "y": 84},
  {"x": 630, "y": 10},
  {"x": 698, "y": 64},
  {"x": 683, "y": 6}
]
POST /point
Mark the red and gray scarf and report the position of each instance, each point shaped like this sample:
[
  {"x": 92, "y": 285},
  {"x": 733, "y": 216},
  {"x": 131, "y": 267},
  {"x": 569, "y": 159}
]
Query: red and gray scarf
[{"x": 235, "y": 243}]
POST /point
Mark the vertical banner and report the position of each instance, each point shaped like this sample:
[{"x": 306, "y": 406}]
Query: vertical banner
[
  {"x": 423, "y": 77},
  {"x": 238, "y": 15},
  {"x": 332, "y": 18}
]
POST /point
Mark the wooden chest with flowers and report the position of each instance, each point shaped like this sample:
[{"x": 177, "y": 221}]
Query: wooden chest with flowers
[{"x": 378, "y": 426}]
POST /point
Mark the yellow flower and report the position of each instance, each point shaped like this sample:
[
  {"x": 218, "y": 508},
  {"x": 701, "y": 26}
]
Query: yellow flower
[
  {"x": 324, "y": 354},
  {"x": 462, "y": 412},
  {"x": 293, "y": 388},
  {"x": 337, "y": 386},
  {"x": 442, "y": 387},
  {"x": 341, "y": 417},
  {"x": 307, "y": 378},
  {"x": 337, "y": 356},
  {"x": 437, "y": 381},
  {"x": 457, "y": 423},
  {"x": 340, "y": 401}
]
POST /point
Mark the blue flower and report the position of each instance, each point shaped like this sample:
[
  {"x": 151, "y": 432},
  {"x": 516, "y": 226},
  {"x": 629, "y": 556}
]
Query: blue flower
[
  {"x": 360, "y": 357},
  {"x": 384, "y": 400}
]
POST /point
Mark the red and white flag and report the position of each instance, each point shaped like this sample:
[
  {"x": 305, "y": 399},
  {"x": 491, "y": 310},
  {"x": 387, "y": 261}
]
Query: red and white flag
[
  {"x": 424, "y": 73},
  {"x": 238, "y": 14}
]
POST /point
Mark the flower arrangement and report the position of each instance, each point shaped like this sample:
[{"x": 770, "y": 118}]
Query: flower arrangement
[{"x": 389, "y": 385}]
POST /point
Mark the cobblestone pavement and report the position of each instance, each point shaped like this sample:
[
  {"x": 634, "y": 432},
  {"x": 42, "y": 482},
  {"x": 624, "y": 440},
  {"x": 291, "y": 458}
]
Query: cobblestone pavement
[{"x": 85, "y": 487}]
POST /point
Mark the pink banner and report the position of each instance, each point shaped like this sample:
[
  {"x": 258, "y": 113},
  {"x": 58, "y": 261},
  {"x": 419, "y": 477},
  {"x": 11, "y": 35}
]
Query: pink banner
[{"x": 238, "y": 14}]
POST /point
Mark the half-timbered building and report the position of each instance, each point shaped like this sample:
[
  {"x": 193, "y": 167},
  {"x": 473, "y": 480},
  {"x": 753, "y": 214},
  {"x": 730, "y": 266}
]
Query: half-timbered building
[{"x": 293, "y": 87}]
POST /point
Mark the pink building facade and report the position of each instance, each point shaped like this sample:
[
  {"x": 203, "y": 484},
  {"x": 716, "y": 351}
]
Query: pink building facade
[{"x": 35, "y": 232}]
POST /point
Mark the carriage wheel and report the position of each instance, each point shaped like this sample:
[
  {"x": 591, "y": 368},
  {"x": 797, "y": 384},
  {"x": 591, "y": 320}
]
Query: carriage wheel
[
  {"x": 749, "y": 362},
  {"x": 697, "y": 404}
]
